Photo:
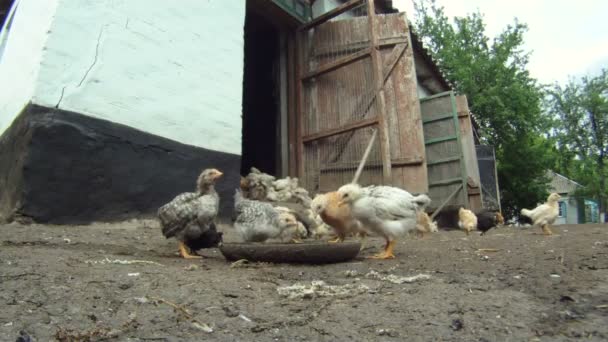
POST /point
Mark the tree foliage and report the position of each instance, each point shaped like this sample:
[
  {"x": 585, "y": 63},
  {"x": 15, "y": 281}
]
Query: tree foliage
[
  {"x": 581, "y": 130},
  {"x": 504, "y": 98}
]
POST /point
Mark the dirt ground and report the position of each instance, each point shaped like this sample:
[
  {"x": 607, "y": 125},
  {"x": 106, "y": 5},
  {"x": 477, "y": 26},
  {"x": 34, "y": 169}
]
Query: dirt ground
[{"x": 120, "y": 282}]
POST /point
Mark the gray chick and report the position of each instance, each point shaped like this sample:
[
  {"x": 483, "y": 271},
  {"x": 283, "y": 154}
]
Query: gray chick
[
  {"x": 257, "y": 221},
  {"x": 190, "y": 216}
]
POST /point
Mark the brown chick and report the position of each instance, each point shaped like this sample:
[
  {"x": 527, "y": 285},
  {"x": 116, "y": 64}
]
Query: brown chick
[
  {"x": 424, "y": 224},
  {"x": 467, "y": 220},
  {"x": 337, "y": 216}
]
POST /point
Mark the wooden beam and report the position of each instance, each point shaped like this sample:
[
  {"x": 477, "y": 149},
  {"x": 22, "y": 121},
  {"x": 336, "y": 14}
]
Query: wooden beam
[
  {"x": 338, "y": 63},
  {"x": 391, "y": 61},
  {"x": 385, "y": 151},
  {"x": 372, "y": 165},
  {"x": 445, "y": 202},
  {"x": 299, "y": 103},
  {"x": 326, "y": 50},
  {"x": 408, "y": 161},
  {"x": 441, "y": 117},
  {"x": 329, "y": 15},
  {"x": 443, "y": 161},
  {"x": 346, "y": 128},
  {"x": 438, "y": 140},
  {"x": 446, "y": 182},
  {"x": 292, "y": 100}
]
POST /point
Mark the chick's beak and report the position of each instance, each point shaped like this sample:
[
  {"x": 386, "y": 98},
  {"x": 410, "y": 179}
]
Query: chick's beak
[
  {"x": 217, "y": 174},
  {"x": 341, "y": 203}
]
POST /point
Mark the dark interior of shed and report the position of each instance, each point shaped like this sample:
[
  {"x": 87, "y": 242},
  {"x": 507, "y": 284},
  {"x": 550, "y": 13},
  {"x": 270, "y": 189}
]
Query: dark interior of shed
[
  {"x": 260, "y": 95},
  {"x": 5, "y": 7}
]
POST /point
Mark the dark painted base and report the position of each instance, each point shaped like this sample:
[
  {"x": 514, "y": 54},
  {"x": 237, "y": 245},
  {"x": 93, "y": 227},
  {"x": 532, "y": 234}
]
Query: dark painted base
[{"x": 64, "y": 167}]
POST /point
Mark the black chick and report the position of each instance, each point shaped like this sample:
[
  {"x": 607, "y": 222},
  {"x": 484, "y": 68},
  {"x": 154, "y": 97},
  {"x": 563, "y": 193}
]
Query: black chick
[
  {"x": 487, "y": 219},
  {"x": 23, "y": 337},
  {"x": 447, "y": 218}
]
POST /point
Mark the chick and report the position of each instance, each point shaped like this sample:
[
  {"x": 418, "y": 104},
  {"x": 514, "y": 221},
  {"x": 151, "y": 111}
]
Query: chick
[
  {"x": 189, "y": 216},
  {"x": 335, "y": 215},
  {"x": 257, "y": 221},
  {"x": 487, "y": 219},
  {"x": 321, "y": 231},
  {"x": 295, "y": 233},
  {"x": 424, "y": 224},
  {"x": 387, "y": 211},
  {"x": 545, "y": 214},
  {"x": 467, "y": 220}
]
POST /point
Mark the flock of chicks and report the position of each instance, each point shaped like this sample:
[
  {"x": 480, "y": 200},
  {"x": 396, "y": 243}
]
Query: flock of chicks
[{"x": 263, "y": 212}]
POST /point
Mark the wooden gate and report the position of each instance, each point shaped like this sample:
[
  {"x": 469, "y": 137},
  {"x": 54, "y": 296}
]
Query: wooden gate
[
  {"x": 446, "y": 166},
  {"x": 356, "y": 75}
]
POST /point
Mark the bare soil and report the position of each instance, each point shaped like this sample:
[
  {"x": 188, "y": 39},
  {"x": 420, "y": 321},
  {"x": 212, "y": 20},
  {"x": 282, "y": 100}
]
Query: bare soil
[{"x": 124, "y": 282}]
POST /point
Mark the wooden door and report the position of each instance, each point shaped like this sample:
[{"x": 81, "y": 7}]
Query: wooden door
[
  {"x": 446, "y": 166},
  {"x": 356, "y": 75}
]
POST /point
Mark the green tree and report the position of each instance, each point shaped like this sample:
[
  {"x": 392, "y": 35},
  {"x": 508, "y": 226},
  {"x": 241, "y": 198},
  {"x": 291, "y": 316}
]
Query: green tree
[
  {"x": 504, "y": 98},
  {"x": 581, "y": 112}
]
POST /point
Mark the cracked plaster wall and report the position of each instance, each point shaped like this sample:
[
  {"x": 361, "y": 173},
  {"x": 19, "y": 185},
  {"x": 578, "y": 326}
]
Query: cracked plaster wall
[
  {"x": 171, "y": 70},
  {"x": 21, "y": 59}
]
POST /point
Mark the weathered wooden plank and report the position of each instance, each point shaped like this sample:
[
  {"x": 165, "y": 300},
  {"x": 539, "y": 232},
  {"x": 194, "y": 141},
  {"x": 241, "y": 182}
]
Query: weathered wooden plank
[
  {"x": 336, "y": 64},
  {"x": 355, "y": 45},
  {"x": 404, "y": 85},
  {"x": 300, "y": 60},
  {"x": 379, "y": 86},
  {"x": 292, "y": 105},
  {"x": 438, "y": 117},
  {"x": 346, "y": 128},
  {"x": 442, "y": 139},
  {"x": 446, "y": 182},
  {"x": 443, "y": 160}
]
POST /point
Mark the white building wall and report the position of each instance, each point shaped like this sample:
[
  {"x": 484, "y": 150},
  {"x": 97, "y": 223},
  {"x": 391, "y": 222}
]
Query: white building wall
[
  {"x": 21, "y": 56},
  {"x": 174, "y": 70}
]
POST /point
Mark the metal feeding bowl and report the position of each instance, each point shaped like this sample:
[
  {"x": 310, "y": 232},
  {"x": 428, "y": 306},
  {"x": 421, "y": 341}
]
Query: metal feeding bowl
[{"x": 309, "y": 252}]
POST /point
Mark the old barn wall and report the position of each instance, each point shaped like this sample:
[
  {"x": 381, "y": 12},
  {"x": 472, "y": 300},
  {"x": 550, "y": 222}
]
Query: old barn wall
[
  {"x": 174, "y": 71},
  {"x": 114, "y": 107}
]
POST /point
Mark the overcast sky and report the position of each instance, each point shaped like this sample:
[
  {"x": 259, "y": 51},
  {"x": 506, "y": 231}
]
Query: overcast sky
[{"x": 567, "y": 38}]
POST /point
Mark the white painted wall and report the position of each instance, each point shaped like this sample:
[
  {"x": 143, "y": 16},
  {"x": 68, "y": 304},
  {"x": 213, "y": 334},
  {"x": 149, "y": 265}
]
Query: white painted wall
[
  {"x": 21, "y": 56},
  {"x": 174, "y": 70}
]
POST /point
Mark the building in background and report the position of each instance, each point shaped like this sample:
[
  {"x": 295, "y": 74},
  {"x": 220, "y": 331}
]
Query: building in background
[
  {"x": 110, "y": 109},
  {"x": 573, "y": 209}
]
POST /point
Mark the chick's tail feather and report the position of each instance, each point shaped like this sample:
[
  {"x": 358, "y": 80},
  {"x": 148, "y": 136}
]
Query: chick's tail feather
[
  {"x": 422, "y": 201},
  {"x": 526, "y": 212}
]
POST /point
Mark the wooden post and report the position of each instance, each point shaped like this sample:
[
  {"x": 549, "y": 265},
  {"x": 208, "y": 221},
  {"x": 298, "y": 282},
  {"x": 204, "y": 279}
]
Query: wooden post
[
  {"x": 380, "y": 100},
  {"x": 299, "y": 60},
  {"x": 364, "y": 159}
]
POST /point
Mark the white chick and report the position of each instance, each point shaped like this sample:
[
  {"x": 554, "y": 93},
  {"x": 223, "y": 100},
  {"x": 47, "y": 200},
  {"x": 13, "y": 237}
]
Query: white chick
[
  {"x": 387, "y": 211},
  {"x": 545, "y": 214}
]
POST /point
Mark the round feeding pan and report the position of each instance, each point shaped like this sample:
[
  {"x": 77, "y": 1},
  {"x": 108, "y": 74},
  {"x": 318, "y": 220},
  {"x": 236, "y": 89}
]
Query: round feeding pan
[{"x": 314, "y": 252}]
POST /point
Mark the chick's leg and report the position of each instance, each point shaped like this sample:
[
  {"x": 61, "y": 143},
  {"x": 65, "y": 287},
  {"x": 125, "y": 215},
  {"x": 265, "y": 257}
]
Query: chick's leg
[
  {"x": 339, "y": 238},
  {"x": 183, "y": 251},
  {"x": 388, "y": 251},
  {"x": 363, "y": 239},
  {"x": 546, "y": 229}
]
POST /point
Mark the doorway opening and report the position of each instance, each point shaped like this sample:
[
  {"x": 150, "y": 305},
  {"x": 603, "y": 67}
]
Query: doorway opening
[{"x": 261, "y": 96}]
